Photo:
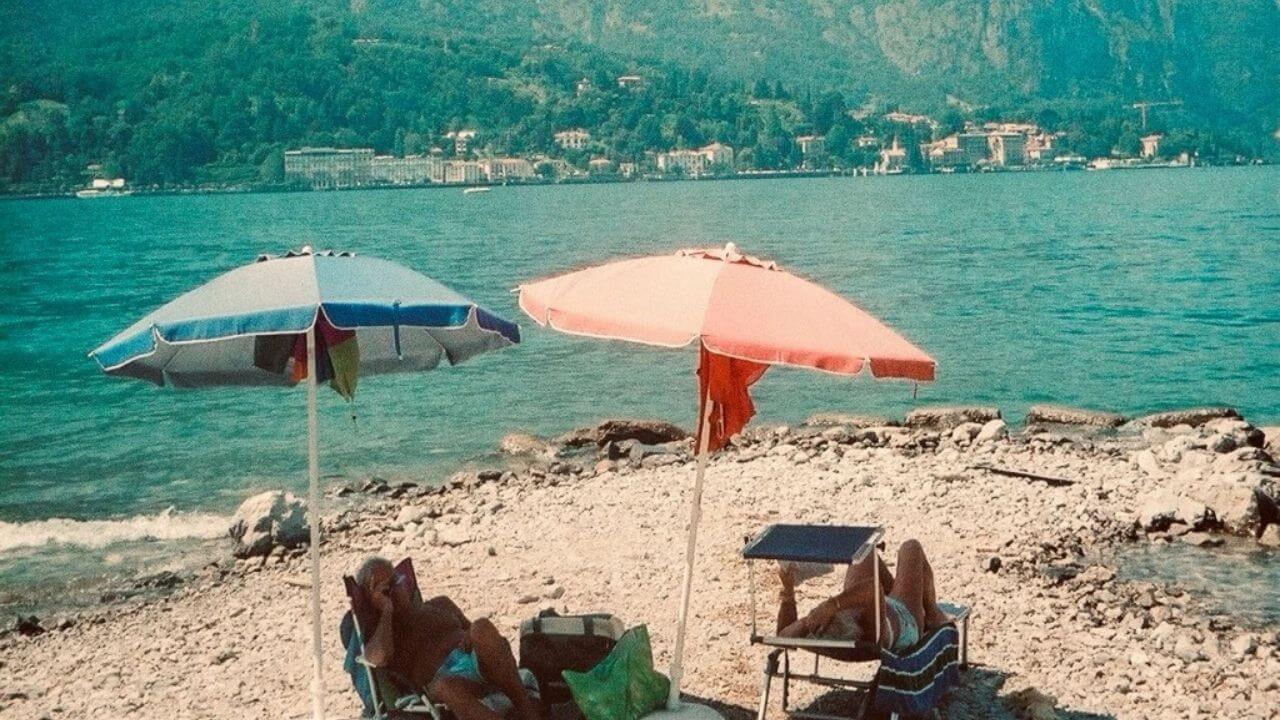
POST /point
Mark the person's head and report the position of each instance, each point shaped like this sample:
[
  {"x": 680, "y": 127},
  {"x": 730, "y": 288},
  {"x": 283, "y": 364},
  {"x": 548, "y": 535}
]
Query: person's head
[{"x": 375, "y": 576}]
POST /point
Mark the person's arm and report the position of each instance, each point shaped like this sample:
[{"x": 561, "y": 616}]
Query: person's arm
[{"x": 381, "y": 646}]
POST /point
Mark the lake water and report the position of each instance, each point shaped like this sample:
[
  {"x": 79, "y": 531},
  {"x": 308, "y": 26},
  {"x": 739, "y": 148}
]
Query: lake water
[
  {"x": 1129, "y": 291},
  {"x": 1238, "y": 580}
]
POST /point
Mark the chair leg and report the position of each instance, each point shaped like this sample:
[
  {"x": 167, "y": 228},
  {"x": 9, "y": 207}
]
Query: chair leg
[
  {"x": 770, "y": 667},
  {"x": 786, "y": 682},
  {"x": 964, "y": 644}
]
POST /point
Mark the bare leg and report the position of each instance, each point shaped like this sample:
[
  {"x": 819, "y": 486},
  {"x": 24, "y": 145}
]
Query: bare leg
[
  {"x": 933, "y": 615},
  {"x": 462, "y": 697},
  {"x": 859, "y": 575},
  {"x": 498, "y": 666},
  {"x": 914, "y": 581},
  {"x": 787, "y": 613}
]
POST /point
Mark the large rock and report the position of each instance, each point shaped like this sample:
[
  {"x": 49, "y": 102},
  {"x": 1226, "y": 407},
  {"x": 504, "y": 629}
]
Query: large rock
[
  {"x": 1146, "y": 461},
  {"x": 949, "y": 418},
  {"x": 992, "y": 430},
  {"x": 829, "y": 419},
  {"x": 266, "y": 521},
  {"x": 1235, "y": 499},
  {"x": 649, "y": 432},
  {"x": 1271, "y": 440},
  {"x": 519, "y": 443},
  {"x": 1163, "y": 508},
  {"x": 965, "y": 432},
  {"x": 1191, "y": 416},
  {"x": 1062, "y": 415}
]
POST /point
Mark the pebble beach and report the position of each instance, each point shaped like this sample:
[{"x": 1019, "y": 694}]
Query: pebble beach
[{"x": 594, "y": 523}]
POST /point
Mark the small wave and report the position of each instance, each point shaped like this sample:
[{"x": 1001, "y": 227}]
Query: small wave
[{"x": 167, "y": 525}]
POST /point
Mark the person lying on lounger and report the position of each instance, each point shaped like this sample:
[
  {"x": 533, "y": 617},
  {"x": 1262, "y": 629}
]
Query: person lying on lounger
[
  {"x": 435, "y": 646},
  {"x": 909, "y": 607}
]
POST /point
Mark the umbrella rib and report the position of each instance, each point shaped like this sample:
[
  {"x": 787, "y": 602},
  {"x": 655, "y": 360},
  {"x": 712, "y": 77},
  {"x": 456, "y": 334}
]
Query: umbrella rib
[{"x": 444, "y": 351}]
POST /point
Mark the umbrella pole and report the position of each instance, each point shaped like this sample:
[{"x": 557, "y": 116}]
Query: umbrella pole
[
  {"x": 695, "y": 516},
  {"x": 313, "y": 504}
]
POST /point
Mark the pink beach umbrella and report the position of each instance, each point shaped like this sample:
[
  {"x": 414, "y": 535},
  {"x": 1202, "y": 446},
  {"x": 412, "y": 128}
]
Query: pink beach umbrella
[{"x": 746, "y": 315}]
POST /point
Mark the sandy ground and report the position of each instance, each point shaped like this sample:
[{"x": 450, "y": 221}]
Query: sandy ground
[{"x": 234, "y": 642}]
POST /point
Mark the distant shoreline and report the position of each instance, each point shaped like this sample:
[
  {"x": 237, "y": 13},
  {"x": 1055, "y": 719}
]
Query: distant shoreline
[{"x": 604, "y": 180}]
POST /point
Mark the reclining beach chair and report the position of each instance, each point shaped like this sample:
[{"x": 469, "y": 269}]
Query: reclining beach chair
[
  {"x": 391, "y": 696},
  {"x": 904, "y": 684}
]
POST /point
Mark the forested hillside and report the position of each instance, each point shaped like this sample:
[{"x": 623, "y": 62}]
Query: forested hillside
[{"x": 213, "y": 91}]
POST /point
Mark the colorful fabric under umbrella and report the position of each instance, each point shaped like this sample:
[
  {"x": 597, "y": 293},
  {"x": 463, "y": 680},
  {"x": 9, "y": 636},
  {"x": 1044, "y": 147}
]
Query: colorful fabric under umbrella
[
  {"x": 746, "y": 315},
  {"x": 315, "y": 316}
]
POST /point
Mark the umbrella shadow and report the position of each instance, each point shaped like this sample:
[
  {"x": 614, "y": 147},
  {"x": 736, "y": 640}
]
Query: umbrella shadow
[
  {"x": 569, "y": 711},
  {"x": 977, "y": 696}
]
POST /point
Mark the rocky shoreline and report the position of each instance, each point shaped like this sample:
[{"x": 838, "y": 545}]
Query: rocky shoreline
[{"x": 1018, "y": 525}]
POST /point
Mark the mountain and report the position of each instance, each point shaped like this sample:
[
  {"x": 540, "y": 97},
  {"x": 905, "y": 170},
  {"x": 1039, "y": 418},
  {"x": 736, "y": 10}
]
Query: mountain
[
  {"x": 212, "y": 91},
  {"x": 1217, "y": 56}
]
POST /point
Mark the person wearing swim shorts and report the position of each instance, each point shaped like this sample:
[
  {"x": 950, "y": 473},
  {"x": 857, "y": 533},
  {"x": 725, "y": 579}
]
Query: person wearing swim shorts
[{"x": 908, "y": 604}]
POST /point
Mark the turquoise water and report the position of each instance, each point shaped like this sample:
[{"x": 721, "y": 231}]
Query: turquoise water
[
  {"x": 1131, "y": 291},
  {"x": 1238, "y": 580}
]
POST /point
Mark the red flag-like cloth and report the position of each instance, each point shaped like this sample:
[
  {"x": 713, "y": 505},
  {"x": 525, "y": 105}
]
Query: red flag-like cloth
[{"x": 725, "y": 382}]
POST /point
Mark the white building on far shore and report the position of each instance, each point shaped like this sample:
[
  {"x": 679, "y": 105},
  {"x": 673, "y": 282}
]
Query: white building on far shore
[
  {"x": 696, "y": 163},
  {"x": 463, "y": 171},
  {"x": 410, "y": 170},
  {"x": 507, "y": 168},
  {"x": 327, "y": 168},
  {"x": 575, "y": 139}
]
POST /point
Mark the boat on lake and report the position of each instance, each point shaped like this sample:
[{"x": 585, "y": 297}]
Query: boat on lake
[{"x": 472, "y": 190}]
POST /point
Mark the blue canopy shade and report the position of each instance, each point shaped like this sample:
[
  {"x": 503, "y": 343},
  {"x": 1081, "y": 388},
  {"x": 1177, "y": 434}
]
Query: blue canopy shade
[{"x": 404, "y": 321}]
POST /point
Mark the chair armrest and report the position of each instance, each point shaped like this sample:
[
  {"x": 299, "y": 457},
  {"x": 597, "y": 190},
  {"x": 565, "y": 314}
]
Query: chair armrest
[
  {"x": 415, "y": 704},
  {"x": 811, "y": 643},
  {"x": 954, "y": 613}
]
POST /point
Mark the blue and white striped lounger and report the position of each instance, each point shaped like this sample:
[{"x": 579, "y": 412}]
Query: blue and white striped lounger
[{"x": 914, "y": 682}]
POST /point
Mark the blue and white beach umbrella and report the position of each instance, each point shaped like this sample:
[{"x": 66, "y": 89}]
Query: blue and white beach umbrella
[{"x": 243, "y": 328}]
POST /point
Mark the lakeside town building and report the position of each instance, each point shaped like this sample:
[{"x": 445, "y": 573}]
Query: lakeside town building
[
  {"x": 813, "y": 148},
  {"x": 716, "y": 157},
  {"x": 600, "y": 166},
  {"x": 1151, "y": 145},
  {"x": 893, "y": 160},
  {"x": 467, "y": 172},
  {"x": 338, "y": 168},
  {"x": 718, "y": 154},
  {"x": 328, "y": 168},
  {"x": 461, "y": 140},
  {"x": 689, "y": 163},
  {"x": 409, "y": 170},
  {"x": 507, "y": 168},
  {"x": 993, "y": 145},
  {"x": 575, "y": 139},
  {"x": 1006, "y": 149}
]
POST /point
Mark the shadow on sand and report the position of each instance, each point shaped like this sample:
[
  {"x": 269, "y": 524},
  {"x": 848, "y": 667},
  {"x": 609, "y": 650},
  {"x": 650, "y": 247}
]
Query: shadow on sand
[{"x": 976, "y": 697}]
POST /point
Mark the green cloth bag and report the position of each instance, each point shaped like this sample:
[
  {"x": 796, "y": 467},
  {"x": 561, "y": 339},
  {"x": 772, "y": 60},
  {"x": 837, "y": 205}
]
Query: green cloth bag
[{"x": 624, "y": 685}]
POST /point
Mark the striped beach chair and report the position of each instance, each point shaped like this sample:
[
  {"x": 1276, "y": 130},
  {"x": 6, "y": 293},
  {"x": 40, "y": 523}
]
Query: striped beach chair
[
  {"x": 912, "y": 683},
  {"x": 384, "y": 694},
  {"x": 903, "y": 685}
]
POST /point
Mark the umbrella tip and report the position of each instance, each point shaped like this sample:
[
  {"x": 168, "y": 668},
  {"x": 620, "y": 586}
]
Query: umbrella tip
[
  {"x": 306, "y": 250},
  {"x": 730, "y": 249}
]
